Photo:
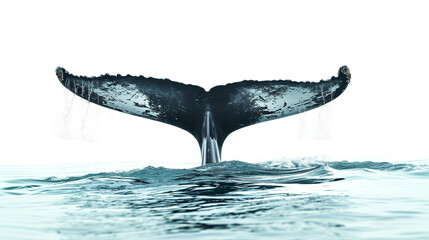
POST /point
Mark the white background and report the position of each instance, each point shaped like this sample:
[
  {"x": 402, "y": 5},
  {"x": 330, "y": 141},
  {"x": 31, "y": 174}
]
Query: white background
[{"x": 382, "y": 116}]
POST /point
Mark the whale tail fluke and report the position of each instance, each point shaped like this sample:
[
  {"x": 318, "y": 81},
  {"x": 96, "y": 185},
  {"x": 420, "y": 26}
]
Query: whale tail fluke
[{"x": 209, "y": 116}]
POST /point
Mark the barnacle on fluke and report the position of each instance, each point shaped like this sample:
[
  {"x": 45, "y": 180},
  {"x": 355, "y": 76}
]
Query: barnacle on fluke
[{"x": 209, "y": 116}]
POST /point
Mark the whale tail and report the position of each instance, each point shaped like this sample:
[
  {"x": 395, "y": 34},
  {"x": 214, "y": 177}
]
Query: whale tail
[{"x": 209, "y": 116}]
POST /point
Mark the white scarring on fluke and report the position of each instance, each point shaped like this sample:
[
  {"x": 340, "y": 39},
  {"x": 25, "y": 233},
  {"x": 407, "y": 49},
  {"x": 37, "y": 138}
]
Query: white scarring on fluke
[{"x": 126, "y": 98}]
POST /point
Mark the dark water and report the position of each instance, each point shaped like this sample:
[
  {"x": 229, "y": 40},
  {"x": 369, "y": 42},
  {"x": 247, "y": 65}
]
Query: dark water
[{"x": 229, "y": 200}]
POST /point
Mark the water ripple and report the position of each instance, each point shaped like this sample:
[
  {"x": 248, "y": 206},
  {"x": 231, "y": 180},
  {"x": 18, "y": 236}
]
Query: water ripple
[{"x": 228, "y": 200}]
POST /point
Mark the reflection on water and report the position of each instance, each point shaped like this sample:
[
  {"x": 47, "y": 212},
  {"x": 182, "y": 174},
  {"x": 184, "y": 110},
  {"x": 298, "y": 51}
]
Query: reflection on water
[{"x": 229, "y": 200}]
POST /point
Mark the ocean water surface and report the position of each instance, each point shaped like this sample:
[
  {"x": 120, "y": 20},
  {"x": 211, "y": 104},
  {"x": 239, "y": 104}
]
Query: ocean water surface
[{"x": 228, "y": 200}]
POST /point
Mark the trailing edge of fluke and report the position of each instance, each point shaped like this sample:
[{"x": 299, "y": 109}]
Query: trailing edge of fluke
[{"x": 209, "y": 116}]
